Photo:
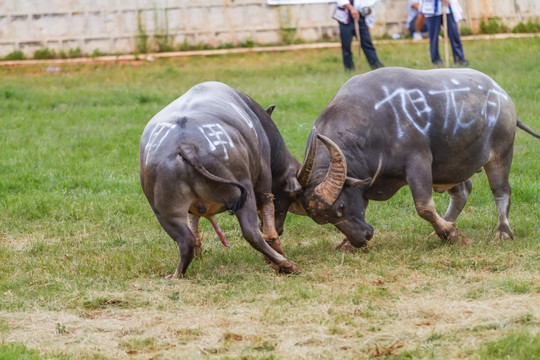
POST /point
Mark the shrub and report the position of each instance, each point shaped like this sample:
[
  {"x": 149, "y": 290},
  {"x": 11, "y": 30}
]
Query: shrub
[
  {"x": 493, "y": 26},
  {"x": 247, "y": 43},
  {"x": 44, "y": 53},
  {"x": 15, "y": 55},
  {"x": 529, "y": 27},
  {"x": 465, "y": 30},
  {"x": 97, "y": 53},
  {"x": 75, "y": 53}
]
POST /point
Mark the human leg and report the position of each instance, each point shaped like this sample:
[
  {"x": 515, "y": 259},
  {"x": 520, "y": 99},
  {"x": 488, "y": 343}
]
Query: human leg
[
  {"x": 434, "y": 26},
  {"x": 412, "y": 25},
  {"x": 455, "y": 41},
  {"x": 420, "y": 23},
  {"x": 346, "y": 35},
  {"x": 367, "y": 44}
]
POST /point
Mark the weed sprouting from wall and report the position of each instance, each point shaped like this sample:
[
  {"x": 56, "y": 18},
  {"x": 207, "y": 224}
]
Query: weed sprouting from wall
[
  {"x": 287, "y": 27},
  {"x": 142, "y": 37},
  {"x": 162, "y": 39}
]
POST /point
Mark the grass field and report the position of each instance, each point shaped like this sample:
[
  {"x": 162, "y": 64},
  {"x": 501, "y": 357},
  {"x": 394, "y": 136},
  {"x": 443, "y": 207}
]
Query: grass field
[{"x": 82, "y": 257}]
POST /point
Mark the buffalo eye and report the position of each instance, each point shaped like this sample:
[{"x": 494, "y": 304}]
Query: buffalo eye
[{"x": 340, "y": 209}]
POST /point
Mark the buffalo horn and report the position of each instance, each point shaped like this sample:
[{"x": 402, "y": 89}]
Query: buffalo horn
[
  {"x": 304, "y": 174},
  {"x": 330, "y": 188}
]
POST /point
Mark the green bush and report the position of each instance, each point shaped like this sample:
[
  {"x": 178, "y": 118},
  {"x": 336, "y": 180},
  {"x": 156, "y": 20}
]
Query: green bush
[
  {"x": 465, "y": 31},
  {"x": 493, "y": 26},
  {"x": 185, "y": 46},
  {"x": 44, "y": 53},
  {"x": 247, "y": 43},
  {"x": 15, "y": 55},
  {"x": 97, "y": 53},
  {"x": 529, "y": 27},
  {"x": 75, "y": 53}
]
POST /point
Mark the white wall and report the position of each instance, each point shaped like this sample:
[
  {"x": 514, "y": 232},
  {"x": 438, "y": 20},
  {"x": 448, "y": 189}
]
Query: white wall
[{"x": 113, "y": 26}]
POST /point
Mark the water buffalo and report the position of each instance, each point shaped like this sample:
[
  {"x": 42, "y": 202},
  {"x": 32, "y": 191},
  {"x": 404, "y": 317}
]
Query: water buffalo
[
  {"x": 429, "y": 129},
  {"x": 212, "y": 150}
]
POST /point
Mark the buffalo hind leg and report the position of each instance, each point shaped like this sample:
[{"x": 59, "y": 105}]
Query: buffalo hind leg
[
  {"x": 500, "y": 187},
  {"x": 420, "y": 182},
  {"x": 193, "y": 221},
  {"x": 247, "y": 217},
  {"x": 459, "y": 194},
  {"x": 180, "y": 232}
]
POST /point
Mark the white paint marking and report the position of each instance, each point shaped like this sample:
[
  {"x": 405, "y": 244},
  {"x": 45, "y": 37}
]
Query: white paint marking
[
  {"x": 452, "y": 105},
  {"x": 216, "y": 136},
  {"x": 411, "y": 105},
  {"x": 157, "y": 133},
  {"x": 492, "y": 106},
  {"x": 411, "y": 97},
  {"x": 244, "y": 117}
]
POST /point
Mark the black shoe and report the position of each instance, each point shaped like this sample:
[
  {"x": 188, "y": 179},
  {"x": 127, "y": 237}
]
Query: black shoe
[
  {"x": 437, "y": 64},
  {"x": 377, "y": 66},
  {"x": 462, "y": 62}
]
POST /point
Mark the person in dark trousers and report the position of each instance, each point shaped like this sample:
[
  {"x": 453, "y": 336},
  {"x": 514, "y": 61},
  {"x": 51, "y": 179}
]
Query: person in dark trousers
[
  {"x": 347, "y": 32},
  {"x": 433, "y": 12}
]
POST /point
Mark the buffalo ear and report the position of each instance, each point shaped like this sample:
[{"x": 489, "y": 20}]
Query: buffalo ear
[
  {"x": 292, "y": 186},
  {"x": 352, "y": 182},
  {"x": 270, "y": 109}
]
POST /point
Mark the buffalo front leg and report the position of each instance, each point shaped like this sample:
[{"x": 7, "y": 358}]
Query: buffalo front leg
[
  {"x": 459, "y": 194},
  {"x": 270, "y": 234},
  {"x": 420, "y": 182},
  {"x": 184, "y": 238},
  {"x": 247, "y": 217}
]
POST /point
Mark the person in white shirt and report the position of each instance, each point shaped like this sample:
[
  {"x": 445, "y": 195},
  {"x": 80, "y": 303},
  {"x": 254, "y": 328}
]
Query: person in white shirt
[
  {"x": 433, "y": 10},
  {"x": 359, "y": 10},
  {"x": 416, "y": 22}
]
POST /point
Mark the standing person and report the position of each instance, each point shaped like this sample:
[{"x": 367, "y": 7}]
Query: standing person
[
  {"x": 416, "y": 22},
  {"x": 432, "y": 10},
  {"x": 359, "y": 12}
]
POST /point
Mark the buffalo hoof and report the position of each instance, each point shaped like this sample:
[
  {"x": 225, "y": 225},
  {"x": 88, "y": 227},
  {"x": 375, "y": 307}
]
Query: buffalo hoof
[
  {"x": 455, "y": 237},
  {"x": 502, "y": 236},
  {"x": 459, "y": 239},
  {"x": 173, "y": 276},
  {"x": 503, "y": 233},
  {"x": 285, "y": 267}
]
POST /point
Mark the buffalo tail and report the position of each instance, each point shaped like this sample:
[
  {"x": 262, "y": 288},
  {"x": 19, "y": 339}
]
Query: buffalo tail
[{"x": 525, "y": 128}]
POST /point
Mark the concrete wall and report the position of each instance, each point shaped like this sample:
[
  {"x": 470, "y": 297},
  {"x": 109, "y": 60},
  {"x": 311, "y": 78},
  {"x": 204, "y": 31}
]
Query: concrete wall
[{"x": 123, "y": 26}]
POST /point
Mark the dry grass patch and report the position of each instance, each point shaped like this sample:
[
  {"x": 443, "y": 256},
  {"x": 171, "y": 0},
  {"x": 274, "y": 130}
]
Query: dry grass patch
[{"x": 413, "y": 322}]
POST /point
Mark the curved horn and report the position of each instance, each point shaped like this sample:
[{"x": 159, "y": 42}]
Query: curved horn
[
  {"x": 304, "y": 173},
  {"x": 330, "y": 188}
]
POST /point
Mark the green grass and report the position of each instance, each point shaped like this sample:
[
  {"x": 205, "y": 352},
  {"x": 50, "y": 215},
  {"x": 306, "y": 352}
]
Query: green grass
[{"x": 83, "y": 257}]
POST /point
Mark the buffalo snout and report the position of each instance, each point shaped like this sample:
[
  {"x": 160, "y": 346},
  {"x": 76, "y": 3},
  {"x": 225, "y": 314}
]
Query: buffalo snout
[{"x": 361, "y": 238}]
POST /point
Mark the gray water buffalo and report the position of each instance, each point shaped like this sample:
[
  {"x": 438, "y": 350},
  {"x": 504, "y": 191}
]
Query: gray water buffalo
[
  {"x": 393, "y": 127},
  {"x": 212, "y": 150}
]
